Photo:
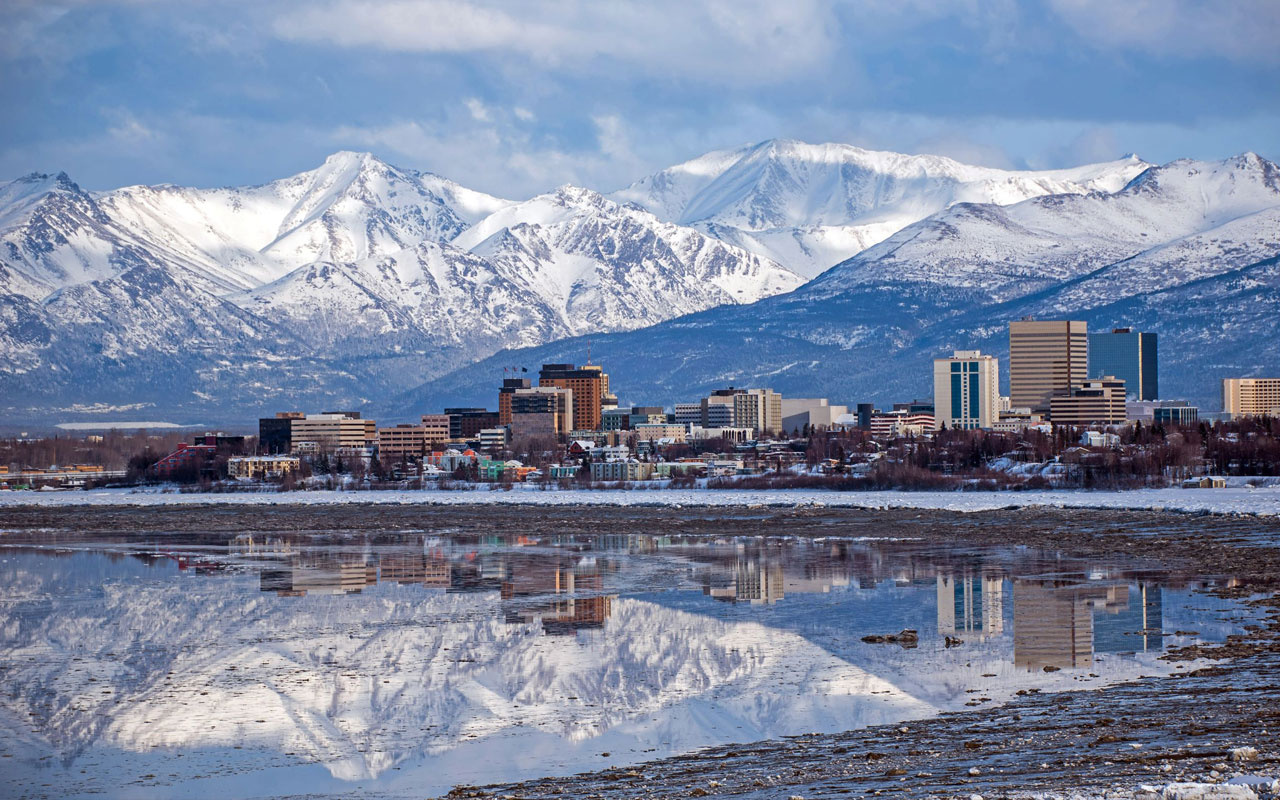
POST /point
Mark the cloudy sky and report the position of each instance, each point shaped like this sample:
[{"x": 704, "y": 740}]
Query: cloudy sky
[{"x": 519, "y": 97}]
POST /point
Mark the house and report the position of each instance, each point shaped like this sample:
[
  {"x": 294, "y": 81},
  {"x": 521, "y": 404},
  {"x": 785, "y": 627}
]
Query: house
[{"x": 1205, "y": 482}]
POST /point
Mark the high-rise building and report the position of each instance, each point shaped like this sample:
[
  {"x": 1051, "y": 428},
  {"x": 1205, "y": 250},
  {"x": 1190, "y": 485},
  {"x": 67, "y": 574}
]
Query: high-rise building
[
  {"x": 1131, "y": 356},
  {"x": 590, "y": 386},
  {"x": 1096, "y": 401},
  {"x": 1046, "y": 357},
  {"x": 966, "y": 390},
  {"x": 1251, "y": 397},
  {"x": 541, "y": 411},
  {"x": 509, "y": 386}
]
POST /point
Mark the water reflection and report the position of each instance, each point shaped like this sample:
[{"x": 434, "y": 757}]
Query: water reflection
[{"x": 408, "y": 662}]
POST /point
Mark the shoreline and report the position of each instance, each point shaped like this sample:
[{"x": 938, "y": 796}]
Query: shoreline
[{"x": 1231, "y": 501}]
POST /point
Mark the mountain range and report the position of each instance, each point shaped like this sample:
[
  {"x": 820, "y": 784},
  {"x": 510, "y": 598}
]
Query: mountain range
[{"x": 804, "y": 267}]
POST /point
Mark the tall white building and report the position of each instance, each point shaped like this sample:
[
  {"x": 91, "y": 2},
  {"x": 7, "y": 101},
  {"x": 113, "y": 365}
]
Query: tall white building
[{"x": 966, "y": 390}]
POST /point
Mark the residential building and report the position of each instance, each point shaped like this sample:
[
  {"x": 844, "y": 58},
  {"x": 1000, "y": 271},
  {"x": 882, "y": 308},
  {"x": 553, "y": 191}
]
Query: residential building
[
  {"x": 1251, "y": 397},
  {"x": 799, "y": 412},
  {"x": 465, "y": 424},
  {"x": 275, "y": 434},
  {"x": 590, "y": 387},
  {"x": 334, "y": 429},
  {"x": 262, "y": 467},
  {"x": 890, "y": 424},
  {"x": 542, "y": 411},
  {"x": 505, "y": 393},
  {"x": 1046, "y": 358},
  {"x": 1094, "y": 401},
  {"x": 659, "y": 431},
  {"x": 966, "y": 390},
  {"x": 621, "y": 470},
  {"x": 1129, "y": 355}
]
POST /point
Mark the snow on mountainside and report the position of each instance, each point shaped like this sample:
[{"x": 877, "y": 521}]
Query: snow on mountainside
[
  {"x": 351, "y": 208},
  {"x": 1177, "y": 251},
  {"x": 811, "y": 206},
  {"x": 351, "y": 264}
]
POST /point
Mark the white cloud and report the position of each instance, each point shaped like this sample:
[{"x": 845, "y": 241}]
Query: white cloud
[
  {"x": 1236, "y": 30},
  {"x": 478, "y": 111},
  {"x": 735, "y": 41}
]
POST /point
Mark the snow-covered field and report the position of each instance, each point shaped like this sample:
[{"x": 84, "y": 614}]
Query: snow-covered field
[{"x": 1233, "y": 500}]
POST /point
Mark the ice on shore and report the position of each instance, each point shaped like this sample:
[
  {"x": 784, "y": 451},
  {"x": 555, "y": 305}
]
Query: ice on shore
[{"x": 1264, "y": 501}]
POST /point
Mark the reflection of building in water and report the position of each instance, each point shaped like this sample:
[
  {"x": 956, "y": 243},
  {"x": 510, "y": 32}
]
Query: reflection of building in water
[
  {"x": 1133, "y": 626},
  {"x": 751, "y": 581},
  {"x": 540, "y": 576},
  {"x": 1052, "y": 627},
  {"x": 1055, "y": 625},
  {"x": 319, "y": 575},
  {"x": 972, "y": 607},
  {"x": 417, "y": 568}
]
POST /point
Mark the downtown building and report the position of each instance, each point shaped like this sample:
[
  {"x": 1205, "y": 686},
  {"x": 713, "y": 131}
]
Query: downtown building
[
  {"x": 1093, "y": 402},
  {"x": 966, "y": 391},
  {"x": 1251, "y": 397},
  {"x": 542, "y": 411},
  {"x": 1046, "y": 357},
  {"x": 758, "y": 409},
  {"x": 1130, "y": 356},
  {"x": 590, "y": 387},
  {"x": 332, "y": 430}
]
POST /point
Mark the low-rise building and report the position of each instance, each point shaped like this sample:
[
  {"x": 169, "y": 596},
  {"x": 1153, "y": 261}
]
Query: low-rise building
[
  {"x": 188, "y": 458},
  {"x": 262, "y": 467},
  {"x": 659, "y": 431},
  {"x": 621, "y": 470},
  {"x": 334, "y": 429},
  {"x": 891, "y": 424},
  {"x": 815, "y": 412},
  {"x": 1099, "y": 401}
]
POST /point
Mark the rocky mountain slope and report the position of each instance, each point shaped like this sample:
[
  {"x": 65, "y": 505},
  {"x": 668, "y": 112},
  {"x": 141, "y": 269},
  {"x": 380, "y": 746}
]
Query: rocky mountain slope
[
  {"x": 1190, "y": 250},
  {"x": 811, "y": 206}
]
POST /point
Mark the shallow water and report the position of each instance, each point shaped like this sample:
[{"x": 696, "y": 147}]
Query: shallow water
[{"x": 402, "y": 663}]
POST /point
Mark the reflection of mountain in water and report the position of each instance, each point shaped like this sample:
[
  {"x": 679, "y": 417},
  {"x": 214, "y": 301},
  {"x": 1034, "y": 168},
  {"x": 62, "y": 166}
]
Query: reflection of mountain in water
[{"x": 364, "y": 681}]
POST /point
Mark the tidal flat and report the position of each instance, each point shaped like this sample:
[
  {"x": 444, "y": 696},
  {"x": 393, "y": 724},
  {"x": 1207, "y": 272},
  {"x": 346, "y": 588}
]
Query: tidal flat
[{"x": 490, "y": 651}]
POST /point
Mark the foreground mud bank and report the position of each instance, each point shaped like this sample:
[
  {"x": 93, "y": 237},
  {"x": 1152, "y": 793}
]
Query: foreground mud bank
[{"x": 1088, "y": 742}]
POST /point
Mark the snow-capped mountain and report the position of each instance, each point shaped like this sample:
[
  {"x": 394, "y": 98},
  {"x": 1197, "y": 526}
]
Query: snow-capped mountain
[
  {"x": 811, "y": 206},
  {"x": 374, "y": 276},
  {"x": 1190, "y": 250},
  {"x": 353, "y": 283}
]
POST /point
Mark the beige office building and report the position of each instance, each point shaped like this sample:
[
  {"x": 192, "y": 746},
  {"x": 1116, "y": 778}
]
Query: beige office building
[
  {"x": 1098, "y": 401},
  {"x": 1251, "y": 397},
  {"x": 413, "y": 440},
  {"x": 966, "y": 391},
  {"x": 333, "y": 430},
  {"x": 1046, "y": 358}
]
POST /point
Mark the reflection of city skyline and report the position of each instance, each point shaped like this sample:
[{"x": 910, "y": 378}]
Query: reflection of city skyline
[
  {"x": 1062, "y": 624},
  {"x": 971, "y": 607}
]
